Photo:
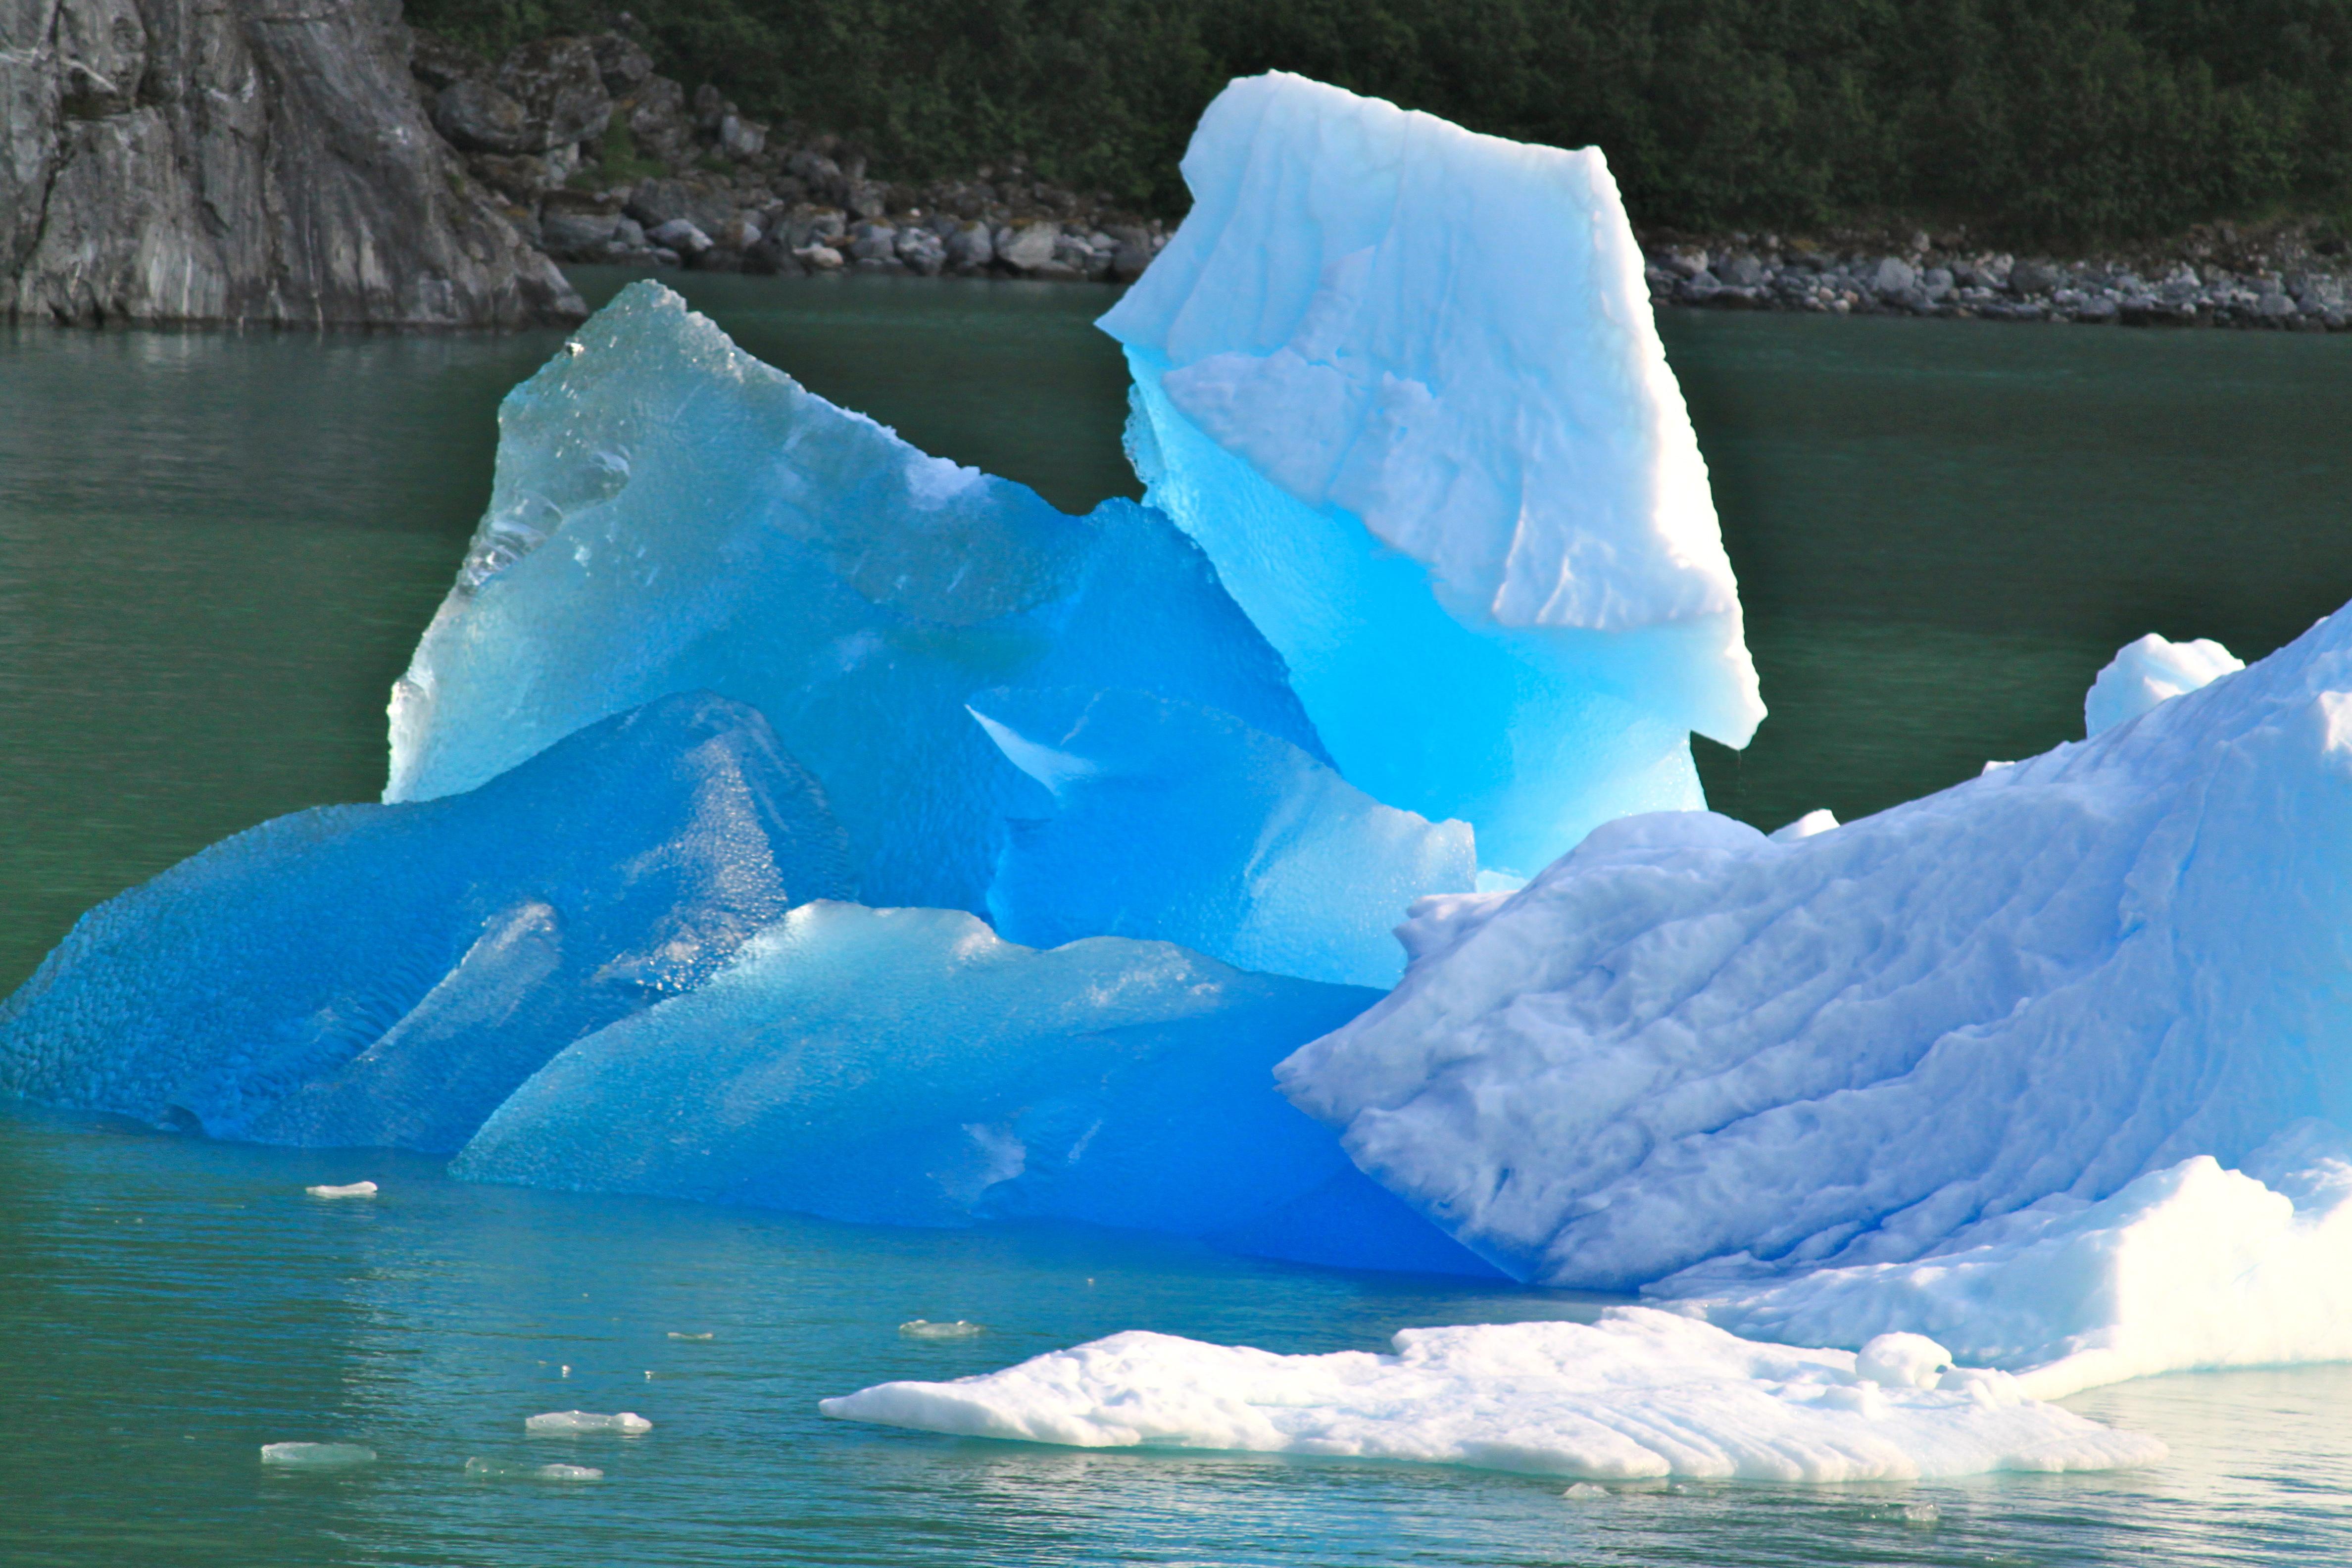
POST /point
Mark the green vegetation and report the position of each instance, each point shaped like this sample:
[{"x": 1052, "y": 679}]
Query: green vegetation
[{"x": 2051, "y": 121}]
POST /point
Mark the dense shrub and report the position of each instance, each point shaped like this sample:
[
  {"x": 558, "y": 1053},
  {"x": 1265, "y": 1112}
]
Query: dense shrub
[{"x": 2034, "y": 120}]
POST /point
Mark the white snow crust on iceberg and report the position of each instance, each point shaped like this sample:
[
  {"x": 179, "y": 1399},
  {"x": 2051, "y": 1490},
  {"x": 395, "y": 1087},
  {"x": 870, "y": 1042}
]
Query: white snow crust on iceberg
[
  {"x": 1640, "y": 1393},
  {"x": 1401, "y": 382},
  {"x": 2149, "y": 671},
  {"x": 1685, "y": 1043},
  {"x": 2190, "y": 1267}
]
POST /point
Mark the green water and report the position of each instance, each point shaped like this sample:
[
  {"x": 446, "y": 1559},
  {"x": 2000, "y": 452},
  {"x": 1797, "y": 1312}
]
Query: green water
[{"x": 216, "y": 552}]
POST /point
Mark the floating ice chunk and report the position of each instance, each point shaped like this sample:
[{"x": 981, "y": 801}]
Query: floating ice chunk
[
  {"x": 1683, "y": 1042},
  {"x": 909, "y": 1067},
  {"x": 578, "y": 1423},
  {"x": 2192, "y": 1266},
  {"x": 670, "y": 514},
  {"x": 1175, "y": 822},
  {"x": 372, "y": 975},
  {"x": 696, "y": 1338},
  {"x": 1640, "y": 1393},
  {"x": 354, "y": 1190},
  {"x": 1818, "y": 820},
  {"x": 499, "y": 1470},
  {"x": 2146, "y": 672},
  {"x": 1401, "y": 382},
  {"x": 317, "y": 1456},
  {"x": 1585, "y": 1492},
  {"x": 923, "y": 1328}
]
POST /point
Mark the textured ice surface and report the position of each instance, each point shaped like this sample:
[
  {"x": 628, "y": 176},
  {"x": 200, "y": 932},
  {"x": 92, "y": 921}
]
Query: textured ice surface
[
  {"x": 1176, "y": 822},
  {"x": 2191, "y": 1266},
  {"x": 317, "y": 1456},
  {"x": 1402, "y": 381},
  {"x": 671, "y": 514},
  {"x": 1639, "y": 1393},
  {"x": 2146, "y": 672},
  {"x": 373, "y": 975},
  {"x": 1683, "y": 1042},
  {"x": 909, "y": 1067},
  {"x": 576, "y": 1422}
]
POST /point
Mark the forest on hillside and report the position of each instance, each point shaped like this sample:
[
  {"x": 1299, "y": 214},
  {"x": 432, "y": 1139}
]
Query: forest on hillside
[{"x": 2047, "y": 121}]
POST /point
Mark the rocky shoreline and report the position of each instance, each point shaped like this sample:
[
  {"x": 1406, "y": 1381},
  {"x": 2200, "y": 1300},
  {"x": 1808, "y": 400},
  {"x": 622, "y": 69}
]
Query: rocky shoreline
[
  {"x": 595, "y": 157},
  {"x": 2282, "y": 282}
]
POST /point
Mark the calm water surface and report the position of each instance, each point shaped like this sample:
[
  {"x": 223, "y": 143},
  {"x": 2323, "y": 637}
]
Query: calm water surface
[{"x": 216, "y": 552}]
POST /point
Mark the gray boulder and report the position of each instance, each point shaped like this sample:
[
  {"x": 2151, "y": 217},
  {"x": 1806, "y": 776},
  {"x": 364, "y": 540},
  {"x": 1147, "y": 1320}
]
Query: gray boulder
[
  {"x": 244, "y": 161},
  {"x": 679, "y": 235},
  {"x": 1937, "y": 283},
  {"x": 579, "y": 232},
  {"x": 439, "y": 63},
  {"x": 971, "y": 250},
  {"x": 562, "y": 92},
  {"x": 1129, "y": 261},
  {"x": 706, "y": 205},
  {"x": 922, "y": 251},
  {"x": 477, "y": 116},
  {"x": 1892, "y": 279},
  {"x": 874, "y": 242},
  {"x": 623, "y": 66},
  {"x": 2032, "y": 277},
  {"x": 1029, "y": 247},
  {"x": 1742, "y": 272},
  {"x": 741, "y": 138}
]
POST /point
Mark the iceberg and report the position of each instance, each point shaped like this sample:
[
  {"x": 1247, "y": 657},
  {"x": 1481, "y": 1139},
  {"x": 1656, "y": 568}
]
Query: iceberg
[
  {"x": 1175, "y": 822},
  {"x": 1638, "y": 1394},
  {"x": 387, "y": 975},
  {"x": 2190, "y": 1267},
  {"x": 669, "y": 514},
  {"x": 909, "y": 1066},
  {"x": 1401, "y": 384},
  {"x": 1685, "y": 1044},
  {"x": 2150, "y": 671}
]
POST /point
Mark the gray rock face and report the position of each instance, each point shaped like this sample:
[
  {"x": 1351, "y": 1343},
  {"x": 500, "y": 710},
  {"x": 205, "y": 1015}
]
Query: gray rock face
[
  {"x": 241, "y": 160},
  {"x": 2032, "y": 277},
  {"x": 560, "y": 90},
  {"x": 1891, "y": 277}
]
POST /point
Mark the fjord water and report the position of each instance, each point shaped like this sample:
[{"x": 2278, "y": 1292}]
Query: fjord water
[{"x": 216, "y": 552}]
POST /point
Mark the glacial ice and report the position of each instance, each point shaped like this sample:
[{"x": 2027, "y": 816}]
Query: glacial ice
[
  {"x": 348, "y": 1190},
  {"x": 317, "y": 1456},
  {"x": 1174, "y": 822},
  {"x": 1639, "y": 1393},
  {"x": 2189, "y": 1267},
  {"x": 582, "y": 1423},
  {"x": 2146, "y": 672},
  {"x": 670, "y": 514},
  {"x": 386, "y": 976},
  {"x": 909, "y": 1066},
  {"x": 1683, "y": 1043},
  {"x": 1401, "y": 382}
]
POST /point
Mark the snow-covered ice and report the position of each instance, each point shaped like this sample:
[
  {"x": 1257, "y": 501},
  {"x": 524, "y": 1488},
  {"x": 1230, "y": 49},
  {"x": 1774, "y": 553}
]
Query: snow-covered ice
[
  {"x": 578, "y": 1423},
  {"x": 386, "y": 976},
  {"x": 1640, "y": 1393},
  {"x": 2146, "y": 672},
  {"x": 1686, "y": 1044},
  {"x": 349, "y": 1189},
  {"x": 909, "y": 1066},
  {"x": 1401, "y": 382},
  {"x": 1183, "y": 824}
]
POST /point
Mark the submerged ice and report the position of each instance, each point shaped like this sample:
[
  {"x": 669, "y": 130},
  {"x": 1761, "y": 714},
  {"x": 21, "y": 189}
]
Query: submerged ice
[
  {"x": 1456, "y": 486},
  {"x": 1640, "y": 1393}
]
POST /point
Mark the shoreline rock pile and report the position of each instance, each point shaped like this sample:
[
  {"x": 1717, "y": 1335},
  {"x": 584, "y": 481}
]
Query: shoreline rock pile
[
  {"x": 598, "y": 158},
  {"x": 2287, "y": 286}
]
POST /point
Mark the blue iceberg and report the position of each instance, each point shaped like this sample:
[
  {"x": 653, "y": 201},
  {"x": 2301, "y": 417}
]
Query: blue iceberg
[
  {"x": 1456, "y": 488},
  {"x": 909, "y": 1066},
  {"x": 1184, "y": 824},
  {"x": 670, "y": 514},
  {"x": 387, "y": 975}
]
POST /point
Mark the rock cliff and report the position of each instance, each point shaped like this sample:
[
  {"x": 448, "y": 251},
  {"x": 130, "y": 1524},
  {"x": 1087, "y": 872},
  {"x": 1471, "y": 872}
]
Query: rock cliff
[{"x": 242, "y": 160}]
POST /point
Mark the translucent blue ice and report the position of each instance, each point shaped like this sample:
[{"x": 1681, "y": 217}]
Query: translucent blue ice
[
  {"x": 1183, "y": 824},
  {"x": 671, "y": 514},
  {"x": 1401, "y": 382},
  {"x": 909, "y": 1067},
  {"x": 386, "y": 976}
]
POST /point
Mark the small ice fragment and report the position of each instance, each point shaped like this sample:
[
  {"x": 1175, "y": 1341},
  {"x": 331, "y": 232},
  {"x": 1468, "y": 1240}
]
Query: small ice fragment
[
  {"x": 650, "y": 1377},
  {"x": 569, "y": 1473},
  {"x": 694, "y": 1338},
  {"x": 498, "y": 1469},
  {"x": 569, "y": 1423},
  {"x": 317, "y": 1456},
  {"x": 1585, "y": 1492},
  {"x": 1921, "y": 1513},
  {"x": 923, "y": 1328},
  {"x": 356, "y": 1190},
  {"x": 567, "y": 1369}
]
